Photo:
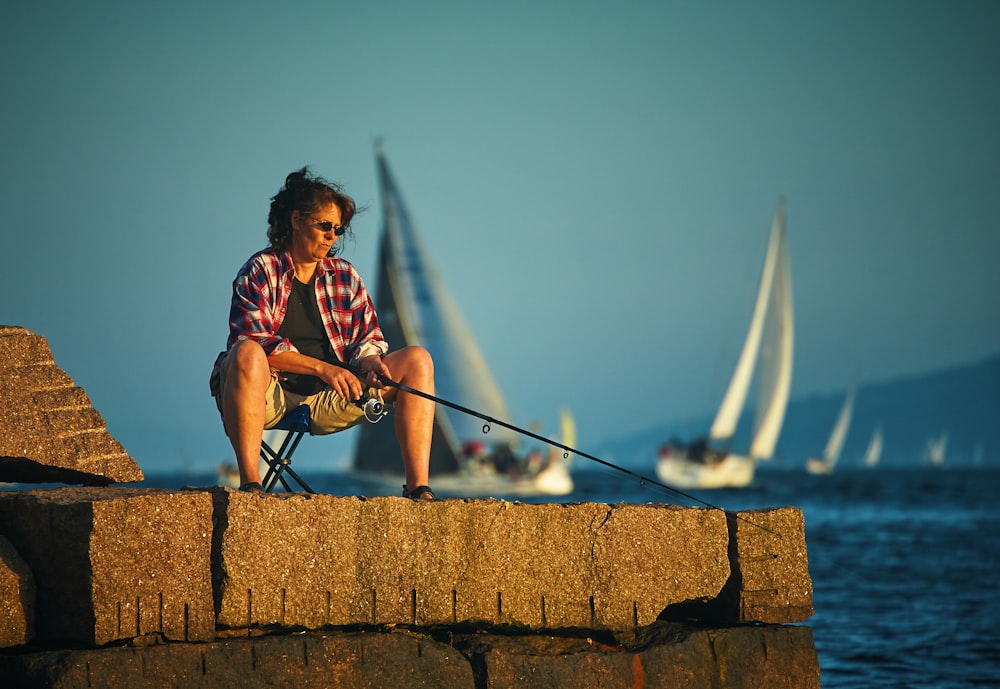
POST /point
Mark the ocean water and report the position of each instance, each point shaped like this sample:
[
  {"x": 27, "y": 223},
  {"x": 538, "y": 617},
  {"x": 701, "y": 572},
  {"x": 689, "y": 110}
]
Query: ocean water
[{"x": 905, "y": 564}]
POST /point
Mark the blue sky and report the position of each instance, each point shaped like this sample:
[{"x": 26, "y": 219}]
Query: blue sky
[{"x": 595, "y": 180}]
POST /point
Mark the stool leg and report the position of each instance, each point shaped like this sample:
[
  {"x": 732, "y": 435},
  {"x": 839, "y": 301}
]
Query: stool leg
[
  {"x": 278, "y": 463},
  {"x": 298, "y": 479}
]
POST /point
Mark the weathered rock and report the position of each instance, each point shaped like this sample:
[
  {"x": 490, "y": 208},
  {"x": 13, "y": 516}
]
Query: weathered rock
[
  {"x": 17, "y": 597},
  {"x": 308, "y": 561},
  {"x": 770, "y": 579},
  {"x": 347, "y": 661},
  {"x": 744, "y": 657},
  {"x": 679, "y": 658},
  {"x": 771, "y": 565},
  {"x": 51, "y": 433},
  {"x": 115, "y": 563}
]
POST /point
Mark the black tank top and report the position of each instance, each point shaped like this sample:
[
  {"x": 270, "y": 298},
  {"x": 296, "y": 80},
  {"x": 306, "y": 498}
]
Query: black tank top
[{"x": 303, "y": 325}]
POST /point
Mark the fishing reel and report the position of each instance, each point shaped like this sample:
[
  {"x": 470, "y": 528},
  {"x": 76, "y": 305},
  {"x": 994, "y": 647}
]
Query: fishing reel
[{"x": 373, "y": 407}]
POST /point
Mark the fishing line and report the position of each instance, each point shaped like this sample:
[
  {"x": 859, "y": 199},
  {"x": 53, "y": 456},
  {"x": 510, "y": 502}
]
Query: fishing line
[{"x": 643, "y": 480}]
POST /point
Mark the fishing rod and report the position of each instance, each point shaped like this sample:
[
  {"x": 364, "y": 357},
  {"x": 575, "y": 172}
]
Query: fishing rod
[{"x": 643, "y": 480}]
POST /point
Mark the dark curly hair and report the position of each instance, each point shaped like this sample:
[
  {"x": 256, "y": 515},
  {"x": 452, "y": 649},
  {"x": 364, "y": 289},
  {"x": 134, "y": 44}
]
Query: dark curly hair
[{"x": 306, "y": 193}]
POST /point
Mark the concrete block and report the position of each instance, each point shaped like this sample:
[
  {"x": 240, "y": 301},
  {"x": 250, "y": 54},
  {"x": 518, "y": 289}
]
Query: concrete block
[
  {"x": 678, "y": 658},
  {"x": 554, "y": 663},
  {"x": 51, "y": 431},
  {"x": 750, "y": 657},
  {"x": 115, "y": 563},
  {"x": 771, "y": 566},
  {"x": 17, "y": 597},
  {"x": 310, "y": 561},
  {"x": 345, "y": 661}
]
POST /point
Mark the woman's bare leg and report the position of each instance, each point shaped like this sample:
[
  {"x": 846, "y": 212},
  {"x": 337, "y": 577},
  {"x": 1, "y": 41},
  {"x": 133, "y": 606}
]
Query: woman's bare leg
[
  {"x": 247, "y": 376},
  {"x": 414, "y": 415}
]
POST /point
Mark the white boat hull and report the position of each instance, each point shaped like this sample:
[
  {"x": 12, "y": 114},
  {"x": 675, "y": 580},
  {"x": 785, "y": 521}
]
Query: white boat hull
[
  {"x": 554, "y": 481},
  {"x": 481, "y": 480},
  {"x": 732, "y": 471},
  {"x": 819, "y": 467}
]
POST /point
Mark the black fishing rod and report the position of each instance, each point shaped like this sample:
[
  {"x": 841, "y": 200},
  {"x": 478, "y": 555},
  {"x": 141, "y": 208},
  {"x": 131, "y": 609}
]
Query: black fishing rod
[{"x": 643, "y": 480}]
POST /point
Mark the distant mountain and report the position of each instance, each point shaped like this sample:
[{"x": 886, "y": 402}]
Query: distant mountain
[{"x": 962, "y": 402}]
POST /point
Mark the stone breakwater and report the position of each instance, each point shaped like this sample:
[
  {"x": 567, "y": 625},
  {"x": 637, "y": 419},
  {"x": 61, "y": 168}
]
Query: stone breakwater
[
  {"x": 212, "y": 587},
  {"x": 209, "y": 587}
]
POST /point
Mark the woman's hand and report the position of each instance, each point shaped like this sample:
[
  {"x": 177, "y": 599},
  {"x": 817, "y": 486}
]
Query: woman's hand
[
  {"x": 372, "y": 367},
  {"x": 343, "y": 382}
]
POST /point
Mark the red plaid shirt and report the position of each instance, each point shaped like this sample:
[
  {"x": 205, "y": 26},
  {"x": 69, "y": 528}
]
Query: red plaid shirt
[{"x": 260, "y": 300}]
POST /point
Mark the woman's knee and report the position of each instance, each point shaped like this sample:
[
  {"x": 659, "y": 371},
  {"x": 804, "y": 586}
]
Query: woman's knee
[
  {"x": 410, "y": 363},
  {"x": 246, "y": 357},
  {"x": 419, "y": 361}
]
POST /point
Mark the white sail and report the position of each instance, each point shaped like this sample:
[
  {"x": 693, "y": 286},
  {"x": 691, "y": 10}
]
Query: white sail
[
  {"x": 731, "y": 408},
  {"x": 874, "y": 452},
  {"x": 775, "y": 380},
  {"x": 835, "y": 443},
  {"x": 935, "y": 450},
  {"x": 567, "y": 428}
]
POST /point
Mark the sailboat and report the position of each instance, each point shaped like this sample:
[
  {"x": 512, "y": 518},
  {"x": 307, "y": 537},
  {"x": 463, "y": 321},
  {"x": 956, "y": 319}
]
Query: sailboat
[
  {"x": 874, "y": 452},
  {"x": 835, "y": 443},
  {"x": 708, "y": 462},
  {"x": 935, "y": 450},
  {"x": 554, "y": 478},
  {"x": 415, "y": 308}
]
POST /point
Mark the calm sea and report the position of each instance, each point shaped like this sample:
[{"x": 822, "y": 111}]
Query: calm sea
[{"x": 905, "y": 564}]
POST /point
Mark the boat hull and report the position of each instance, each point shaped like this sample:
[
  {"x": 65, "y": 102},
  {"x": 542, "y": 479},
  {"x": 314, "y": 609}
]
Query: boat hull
[
  {"x": 817, "y": 466},
  {"x": 554, "y": 480},
  {"x": 731, "y": 471}
]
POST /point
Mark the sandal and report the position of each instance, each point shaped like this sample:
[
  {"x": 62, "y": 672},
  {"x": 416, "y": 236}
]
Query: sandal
[
  {"x": 252, "y": 488},
  {"x": 419, "y": 493}
]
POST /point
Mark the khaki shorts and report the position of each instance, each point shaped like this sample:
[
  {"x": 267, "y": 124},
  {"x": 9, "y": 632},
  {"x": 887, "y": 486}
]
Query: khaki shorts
[{"x": 329, "y": 411}]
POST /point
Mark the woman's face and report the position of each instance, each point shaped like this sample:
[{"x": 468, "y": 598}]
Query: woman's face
[{"x": 313, "y": 235}]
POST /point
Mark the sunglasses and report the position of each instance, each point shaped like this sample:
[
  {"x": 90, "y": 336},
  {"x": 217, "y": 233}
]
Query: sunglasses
[{"x": 326, "y": 226}]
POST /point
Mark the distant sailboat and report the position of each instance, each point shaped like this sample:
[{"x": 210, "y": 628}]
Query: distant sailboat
[
  {"x": 835, "y": 443},
  {"x": 415, "y": 308},
  {"x": 874, "y": 452},
  {"x": 554, "y": 477},
  {"x": 708, "y": 462},
  {"x": 227, "y": 474},
  {"x": 936, "y": 449}
]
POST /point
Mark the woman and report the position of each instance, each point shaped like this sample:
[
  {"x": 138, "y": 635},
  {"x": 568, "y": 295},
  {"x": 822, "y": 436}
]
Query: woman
[{"x": 298, "y": 310}]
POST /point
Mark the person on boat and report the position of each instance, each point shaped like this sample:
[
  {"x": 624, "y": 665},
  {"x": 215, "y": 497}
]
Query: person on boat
[
  {"x": 298, "y": 310},
  {"x": 698, "y": 450},
  {"x": 504, "y": 460}
]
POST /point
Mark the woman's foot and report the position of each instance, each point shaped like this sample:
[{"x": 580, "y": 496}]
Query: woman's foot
[{"x": 419, "y": 493}]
